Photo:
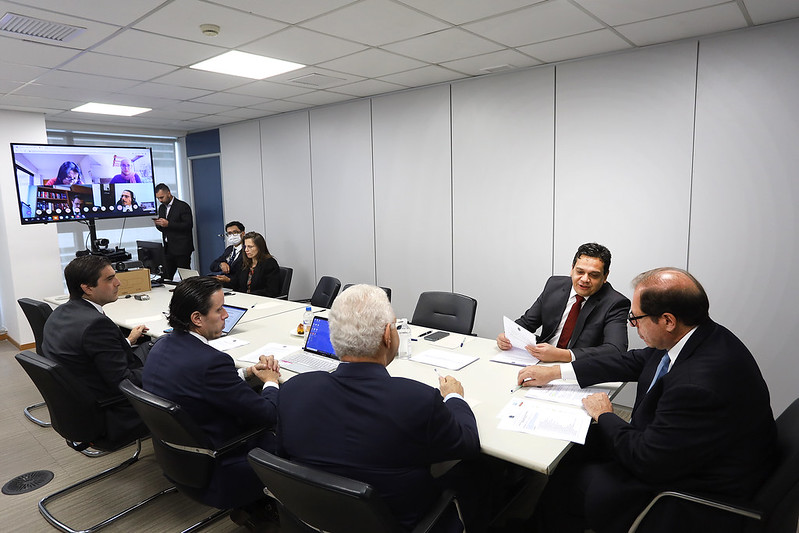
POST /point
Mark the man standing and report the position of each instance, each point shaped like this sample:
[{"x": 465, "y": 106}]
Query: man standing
[
  {"x": 175, "y": 223},
  {"x": 362, "y": 423},
  {"x": 230, "y": 260},
  {"x": 79, "y": 336},
  {"x": 580, "y": 315},
  {"x": 702, "y": 422},
  {"x": 184, "y": 368}
]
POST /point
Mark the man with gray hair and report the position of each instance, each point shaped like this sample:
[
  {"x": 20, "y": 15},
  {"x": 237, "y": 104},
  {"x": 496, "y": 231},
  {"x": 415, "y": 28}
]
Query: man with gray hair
[{"x": 361, "y": 423}]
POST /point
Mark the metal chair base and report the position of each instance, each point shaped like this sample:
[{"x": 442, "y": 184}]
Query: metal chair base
[
  {"x": 102, "y": 475},
  {"x": 37, "y": 421},
  {"x": 207, "y": 521}
]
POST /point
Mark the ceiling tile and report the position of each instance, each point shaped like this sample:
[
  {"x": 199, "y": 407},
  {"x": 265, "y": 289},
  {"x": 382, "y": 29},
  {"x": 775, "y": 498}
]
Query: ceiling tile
[
  {"x": 161, "y": 90},
  {"x": 321, "y": 98},
  {"x": 476, "y": 66},
  {"x": 583, "y": 45},
  {"x": 35, "y": 101},
  {"x": 280, "y": 106},
  {"x": 201, "y": 79},
  {"x": 464, "y": 11},
  {"x": 291, "y": 11},
  {"x": 197, "y": 107},
  {"x": 423, "y": 76},
  {"x": 82, "y": 94},
  {"x": 152, "y": 47},
  {"x": 243, "y": 113},
  {"x": 763, "y": 11},
  {"x": 615, "y": 12},
  {"x": 375, "y": 22},
  {"x": 63, "y": 78},
  {"x": 7, "y": 86},
  {"x": 229, "y": 99},
  {"x": 117, "y": 67},
  {"x": 372, "y": 63},
  {"x": 444, "y": 45},
  {"x": 535, "y": 24},
  {"x": 182, "y": 19},
  {"x": 368, "y": 87},
  {"x": 35, "y": 54},
  {"x": 23, "y": 73},
  {"x": 268, "y": 89},
  {"x": 303, "y": 73},
  {"x": 675, "y": 27},
  {"x": 117, "y": 13},
  {"x": 302, "y": 46}
]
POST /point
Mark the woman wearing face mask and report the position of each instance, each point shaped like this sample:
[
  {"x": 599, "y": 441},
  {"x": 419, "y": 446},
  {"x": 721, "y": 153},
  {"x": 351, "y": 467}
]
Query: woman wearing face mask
[
  {"x": 230, "y": 260},
  {"x": 259, "y": 273}
]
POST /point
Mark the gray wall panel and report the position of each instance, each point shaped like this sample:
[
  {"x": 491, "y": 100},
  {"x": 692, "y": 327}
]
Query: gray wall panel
[
  {"x": 502, "y": 162},
  {"x": 242, "y": 181},
  {"x": 413, "y": 194}
]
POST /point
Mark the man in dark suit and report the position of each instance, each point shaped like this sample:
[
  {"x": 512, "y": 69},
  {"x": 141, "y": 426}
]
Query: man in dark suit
[
  {"x": 184, "y": 368},
  {"x": 175, "y": 223},
  {"x": 580, "y": 315},
  {"x": 701, "y": 423},
  {"x": 362, "y": 423},
  {"x": 230, "y": 260},
  {"x": 79, "y": 336}
]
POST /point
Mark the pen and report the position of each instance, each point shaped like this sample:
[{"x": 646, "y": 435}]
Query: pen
[
  {"x": 464, "y": 340},
  {"x": 428, "y": 332},
  {"x": 519, "y": 386}
]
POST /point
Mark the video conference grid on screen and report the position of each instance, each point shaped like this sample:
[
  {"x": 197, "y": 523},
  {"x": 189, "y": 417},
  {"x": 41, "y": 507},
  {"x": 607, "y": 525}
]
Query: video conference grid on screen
[{"x": 62, "y": 183}]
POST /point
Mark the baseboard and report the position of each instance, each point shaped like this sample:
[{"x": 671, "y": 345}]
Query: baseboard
[{"x": 28, "y": 346}]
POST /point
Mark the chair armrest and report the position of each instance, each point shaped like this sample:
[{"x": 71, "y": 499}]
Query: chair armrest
[
  {"x": 238, "y": 441},
  {"x": 749, "y": 513},
  {"x": 112, "y": 400},
  {"x": 434, "y": 513}
]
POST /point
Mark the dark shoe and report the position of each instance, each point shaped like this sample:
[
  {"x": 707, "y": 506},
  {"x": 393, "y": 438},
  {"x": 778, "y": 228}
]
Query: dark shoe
[{"x": 261, "y": 517}]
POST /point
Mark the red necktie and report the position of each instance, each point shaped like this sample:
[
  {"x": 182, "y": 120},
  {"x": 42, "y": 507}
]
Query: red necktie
[{"x": 571, "y": 321}]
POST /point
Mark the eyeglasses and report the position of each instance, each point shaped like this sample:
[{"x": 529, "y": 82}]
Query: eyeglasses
[
  {"x": 235, "y": 232},
  {"x": 634, "y": 319}
]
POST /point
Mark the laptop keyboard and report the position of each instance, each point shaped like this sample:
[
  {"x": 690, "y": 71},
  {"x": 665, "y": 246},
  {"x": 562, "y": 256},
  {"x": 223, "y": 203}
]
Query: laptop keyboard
[{"x": 318, "y": 363}]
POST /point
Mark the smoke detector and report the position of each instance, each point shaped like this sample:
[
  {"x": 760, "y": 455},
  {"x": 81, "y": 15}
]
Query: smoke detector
[{"x": 209, "y": 30}]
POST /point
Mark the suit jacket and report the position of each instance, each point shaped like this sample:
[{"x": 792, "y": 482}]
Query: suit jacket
[
  {"x": 706, "y": 427},
  {"x": 235, "y": 267},
  {"x": 177, "y": 237},
  {"x": 203, "y": 380},
  {"x": 94, "y": 349},
  {"x": 601, "y": 325},
  {"x": 362, "y": 423},
  {"x": 265, "y": 279}
]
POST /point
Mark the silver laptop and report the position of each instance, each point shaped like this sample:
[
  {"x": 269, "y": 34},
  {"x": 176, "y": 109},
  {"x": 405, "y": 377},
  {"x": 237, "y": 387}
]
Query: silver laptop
[
  {"x": 234, "y": 314},
  {"x": 318, "y": 352}
]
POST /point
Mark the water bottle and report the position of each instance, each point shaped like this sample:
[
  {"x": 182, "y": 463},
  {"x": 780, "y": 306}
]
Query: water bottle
[
  {"x": 404, "y": 331},
  {"x": 307, "y": 318}
]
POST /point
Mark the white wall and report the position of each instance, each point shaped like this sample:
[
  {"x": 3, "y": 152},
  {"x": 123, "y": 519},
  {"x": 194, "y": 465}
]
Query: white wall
[
  {"x": 30, "y": 264},
  {"x": 242, "y": 176},
  {"x": 666, "y": 159}
]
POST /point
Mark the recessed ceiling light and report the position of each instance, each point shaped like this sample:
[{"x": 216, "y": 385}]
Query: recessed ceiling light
[
  {"x": 246, "y": 65},
  {"x": 111, "y": 109}
]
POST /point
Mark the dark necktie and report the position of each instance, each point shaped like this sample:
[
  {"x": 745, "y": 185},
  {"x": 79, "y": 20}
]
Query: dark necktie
[
  {"x": 232, "y": 257},
  {"x": 663, "y": 367},
  {"x": 571, "y": 321}
]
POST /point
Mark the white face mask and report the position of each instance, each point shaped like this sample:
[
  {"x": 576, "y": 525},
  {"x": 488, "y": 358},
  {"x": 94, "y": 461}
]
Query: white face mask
[{"x": 233, "y": 240}]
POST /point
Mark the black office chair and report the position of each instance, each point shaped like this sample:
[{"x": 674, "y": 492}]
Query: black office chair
[
  {"x": 775, "y": 506},
  {"x": 37, "y": 314},
  {"x": 326, "y": 292},
  {"x": 182, "y": 449},
  {"x": 445, "y": 310},
  {"x": 314, "y": 500},
  {"x": 385, "y": 289},
  {"x": 285, "y": 282},
  {"x": 80, "y": 418}
]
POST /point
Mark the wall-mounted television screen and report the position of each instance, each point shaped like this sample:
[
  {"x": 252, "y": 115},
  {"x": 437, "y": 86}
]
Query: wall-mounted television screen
[{"x": 57, "y": 183}]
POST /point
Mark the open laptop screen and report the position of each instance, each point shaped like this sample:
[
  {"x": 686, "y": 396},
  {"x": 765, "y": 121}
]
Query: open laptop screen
[
  {"x": 319, "y": 338},
  {"x": 234, "y": 315}
]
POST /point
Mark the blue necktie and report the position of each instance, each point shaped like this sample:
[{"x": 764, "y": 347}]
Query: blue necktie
[{"x": 663, "y": 367}]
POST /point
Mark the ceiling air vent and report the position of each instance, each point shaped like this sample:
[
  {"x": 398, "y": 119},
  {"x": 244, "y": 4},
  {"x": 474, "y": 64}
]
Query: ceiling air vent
[
  {"x": 316, "y": 80},
  {"x": 498, "y": 68},
  {"x": 20, "y": 25}
]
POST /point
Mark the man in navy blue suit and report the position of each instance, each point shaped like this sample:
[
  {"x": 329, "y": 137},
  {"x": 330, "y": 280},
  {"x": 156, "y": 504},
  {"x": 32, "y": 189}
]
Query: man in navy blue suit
[
  {"x": 362, "y": 423},
  {"x": 230, "y": 260},
  {"x": 600, "y": 325},
  {"x": 701, "y": 423},
  {"x": 184, "y": 368}
]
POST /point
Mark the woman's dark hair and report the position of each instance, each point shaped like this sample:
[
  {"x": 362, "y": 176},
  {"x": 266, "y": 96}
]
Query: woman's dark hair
[
  {"x": 192, "y": 294},
  {"x": 659, "y": 294},
  {"x": 133, "y": 201},
  {"x": 65, "y": 167},
  {"x": 260, "y": 243},
  {"x": 85, "y": 269}
]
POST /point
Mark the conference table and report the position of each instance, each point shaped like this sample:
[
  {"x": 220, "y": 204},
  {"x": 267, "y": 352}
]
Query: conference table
[{"x": 488, "y": 385}]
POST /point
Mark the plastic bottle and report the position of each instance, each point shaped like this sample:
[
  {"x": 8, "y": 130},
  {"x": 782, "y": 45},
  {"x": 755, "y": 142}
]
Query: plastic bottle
[
  {"x": 307, "y": 318},
  {"x": 404, "y": 331}
]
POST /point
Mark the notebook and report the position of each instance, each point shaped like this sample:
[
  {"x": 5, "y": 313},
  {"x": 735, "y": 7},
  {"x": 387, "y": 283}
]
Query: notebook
[
  {"x": 186, "y": 273},
  {"x": 318, "y": 352},
  {"x": 234, "y": 315}
]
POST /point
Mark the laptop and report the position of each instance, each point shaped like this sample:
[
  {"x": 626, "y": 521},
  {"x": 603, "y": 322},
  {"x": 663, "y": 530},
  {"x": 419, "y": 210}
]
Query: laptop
[
  {"x": 186, "y": 273},
  {"x": 234, "y": 315},
  {"x": 318, "y": 352}
]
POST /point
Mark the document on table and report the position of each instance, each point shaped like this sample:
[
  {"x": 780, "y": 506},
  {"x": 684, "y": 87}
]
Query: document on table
[
  {"x": 545, "y": 420},
  {"x": 568, "y": 394},
  {"x": 519, "y": 338},
  {"x": 227, "y": 343},
  {"x": 442, "y": 359},
  {"x": 273, "y": 348}
]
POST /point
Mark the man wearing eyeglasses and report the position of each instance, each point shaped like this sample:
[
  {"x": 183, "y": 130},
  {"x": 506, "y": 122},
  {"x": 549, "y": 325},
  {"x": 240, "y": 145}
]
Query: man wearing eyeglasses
[
  {"x": 580, "y": 315},
  {"x": 702, "y": 421}
]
